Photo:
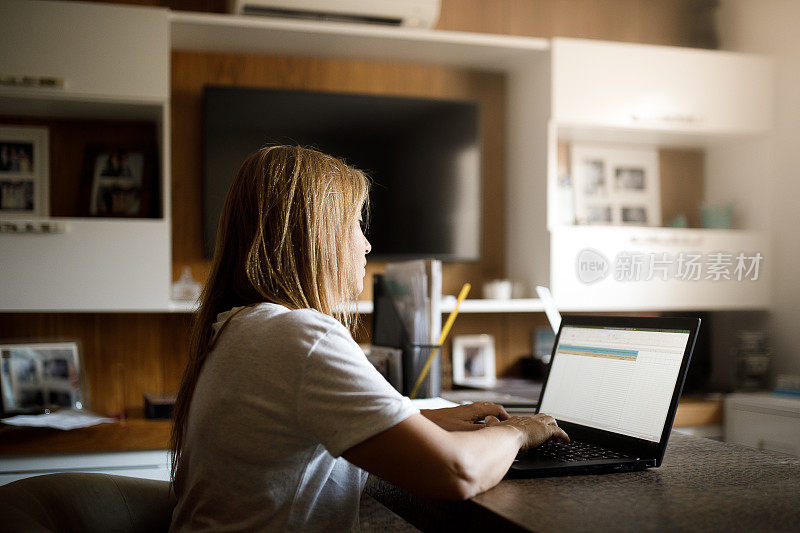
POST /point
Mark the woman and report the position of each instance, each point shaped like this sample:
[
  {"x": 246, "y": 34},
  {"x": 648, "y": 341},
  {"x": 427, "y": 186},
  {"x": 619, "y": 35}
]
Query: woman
[{"x": 279, "y": 412}]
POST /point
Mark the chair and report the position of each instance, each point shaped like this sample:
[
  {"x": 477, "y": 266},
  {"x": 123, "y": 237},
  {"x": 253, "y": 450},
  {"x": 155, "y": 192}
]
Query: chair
[{"x": 85, "y": 502}]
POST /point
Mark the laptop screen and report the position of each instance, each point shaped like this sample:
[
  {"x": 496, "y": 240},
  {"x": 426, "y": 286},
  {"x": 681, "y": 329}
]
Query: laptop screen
[{"x": 615, "y": 379}]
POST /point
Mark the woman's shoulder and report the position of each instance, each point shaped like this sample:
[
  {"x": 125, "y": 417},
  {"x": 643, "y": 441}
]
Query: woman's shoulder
[{"x": 276, "y": 321}]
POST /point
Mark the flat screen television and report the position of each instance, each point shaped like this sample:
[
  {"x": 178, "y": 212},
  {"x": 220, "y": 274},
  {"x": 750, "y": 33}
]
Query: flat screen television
[{"x": 422, "y": 155}]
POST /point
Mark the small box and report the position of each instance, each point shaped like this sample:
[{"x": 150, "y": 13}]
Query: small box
[{"x": 159, "y": 405}]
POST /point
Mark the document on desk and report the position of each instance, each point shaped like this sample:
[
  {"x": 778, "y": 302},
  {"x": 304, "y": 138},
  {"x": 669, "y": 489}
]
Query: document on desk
[
  {"x": 432, "y": 403},
  {"x": 63, "y": 419}
]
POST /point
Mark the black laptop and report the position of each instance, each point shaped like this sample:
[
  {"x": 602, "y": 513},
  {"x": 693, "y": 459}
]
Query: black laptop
[{"x": 613, "y": 385}]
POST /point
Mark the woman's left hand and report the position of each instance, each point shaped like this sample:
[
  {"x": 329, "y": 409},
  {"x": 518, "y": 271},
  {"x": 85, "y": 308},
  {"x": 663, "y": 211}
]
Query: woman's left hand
[{"x": 463, "y": 417}]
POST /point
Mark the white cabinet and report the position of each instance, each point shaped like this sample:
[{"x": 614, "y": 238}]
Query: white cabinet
[
  {"x": 114, "y": 62},
  {"x": 641, "y": 269},
  {"x": 643, "y": 87},
  {"x": 636, "y": 95},
  {"x": 99, "y": 51},
  {"x": 93, "y": 266},
  {"x": 764, "y": 421}
]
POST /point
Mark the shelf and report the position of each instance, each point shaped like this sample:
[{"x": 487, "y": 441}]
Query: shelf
[
  {"x": 522, "y": 305},
  {"x": 250, "y": 34},
  {"x": 57, "y": 103},
  {"x": 654, "y": 135}
]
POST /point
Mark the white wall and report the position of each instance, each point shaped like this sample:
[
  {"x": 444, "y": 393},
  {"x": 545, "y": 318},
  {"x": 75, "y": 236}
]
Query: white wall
[{"x": 773, "y": 27}]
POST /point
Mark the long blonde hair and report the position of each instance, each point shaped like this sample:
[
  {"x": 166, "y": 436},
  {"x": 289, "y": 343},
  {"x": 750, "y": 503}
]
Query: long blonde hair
[{"x": 284, "y": 236}]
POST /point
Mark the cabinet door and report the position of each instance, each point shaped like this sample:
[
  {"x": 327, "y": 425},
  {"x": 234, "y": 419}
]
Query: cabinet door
[
  {"x": 98, "y": 50},
  {"x": 95, "y": 265},
  {"x": 142, "y": 464},
  {"x": 659, "y": 88},
  {"x": 651, "y": 269}
]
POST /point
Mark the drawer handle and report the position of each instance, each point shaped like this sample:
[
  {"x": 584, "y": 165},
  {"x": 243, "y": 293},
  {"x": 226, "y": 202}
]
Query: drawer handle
[
  {"x": 32, "y": 226},
  {"x": 671, "y": 118},
  {"x": 666, "y": 241},
  {"x": 44, "y": 82}
]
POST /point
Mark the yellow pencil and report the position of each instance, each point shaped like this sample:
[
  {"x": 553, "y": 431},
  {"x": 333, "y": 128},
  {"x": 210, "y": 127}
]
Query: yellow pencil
[{"x": 445, "y": 331}]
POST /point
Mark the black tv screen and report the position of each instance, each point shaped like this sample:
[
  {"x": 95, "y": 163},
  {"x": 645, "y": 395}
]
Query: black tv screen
[{"x": 422, "y": 155}]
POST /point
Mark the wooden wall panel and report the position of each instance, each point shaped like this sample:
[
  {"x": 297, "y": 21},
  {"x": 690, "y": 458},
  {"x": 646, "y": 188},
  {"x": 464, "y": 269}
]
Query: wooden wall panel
[
  {"x": 682, "y": 184},
  {"x": 123, "y": 354},
  {"x": 668, "y": 22},
  {"x": 192, "y": 70}
]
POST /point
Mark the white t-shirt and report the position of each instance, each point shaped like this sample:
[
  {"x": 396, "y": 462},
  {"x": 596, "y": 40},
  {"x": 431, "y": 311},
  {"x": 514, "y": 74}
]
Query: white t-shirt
[{"x": 280, "y": 397}]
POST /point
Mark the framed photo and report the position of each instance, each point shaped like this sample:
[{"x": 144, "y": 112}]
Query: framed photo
[
  {"x": 473, "y": 360},
  {"x": 122, "y": 182},
  {"x": 616, "y": 185},
  {"x": 389, "y": 362},
  {"x": 24, "y": 171},
  {"x": 39, "y": 376}
]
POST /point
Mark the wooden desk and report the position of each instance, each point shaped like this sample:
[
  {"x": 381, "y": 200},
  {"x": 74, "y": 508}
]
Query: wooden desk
[
  {"x": 137, "y": 433},
  {"x": 703, "y": 485},
  {"x": 133, "y": 434}
]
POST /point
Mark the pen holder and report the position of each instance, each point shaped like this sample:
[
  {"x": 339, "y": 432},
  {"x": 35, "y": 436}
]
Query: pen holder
[{"x": 414, "y": 358}]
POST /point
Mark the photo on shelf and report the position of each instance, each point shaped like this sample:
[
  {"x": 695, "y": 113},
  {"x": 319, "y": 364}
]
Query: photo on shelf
[
  {"x": 616, "y": 185},
  {"x": 474, "y": 360},
  {"x": 39, "y": 376},
  {"x": 636, "y": 216},
  {"x": 24, "y": 171},
  {"x": 121, "y": 182}
]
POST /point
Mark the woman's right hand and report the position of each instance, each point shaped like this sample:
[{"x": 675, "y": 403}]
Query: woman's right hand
[{"x": 535, "y": 429}]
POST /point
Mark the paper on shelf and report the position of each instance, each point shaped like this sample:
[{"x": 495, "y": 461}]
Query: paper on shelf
[
  {"x": 62, "y": 419},
  {"x": 550, "y": 309}
]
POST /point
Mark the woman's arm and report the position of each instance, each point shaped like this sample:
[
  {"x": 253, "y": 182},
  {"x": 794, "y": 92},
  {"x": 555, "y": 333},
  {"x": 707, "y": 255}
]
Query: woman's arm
[
  {"x": 464, "y": 417},
  {"x": 423, "y": 458}
]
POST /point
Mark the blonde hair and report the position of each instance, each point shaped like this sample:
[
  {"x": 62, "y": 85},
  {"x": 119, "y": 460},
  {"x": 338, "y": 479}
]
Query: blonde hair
[{"x": 284, "y": 236}]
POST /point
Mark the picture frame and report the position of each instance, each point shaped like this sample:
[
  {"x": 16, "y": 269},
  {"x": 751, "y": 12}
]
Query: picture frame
[
  {"x": 37, "y": 376},
  {"x": 474, "y": 360},
  {"x": 24, "y": 172},
  {"x": 616, "y": 185},
  {"x": 121, "y": 182}
]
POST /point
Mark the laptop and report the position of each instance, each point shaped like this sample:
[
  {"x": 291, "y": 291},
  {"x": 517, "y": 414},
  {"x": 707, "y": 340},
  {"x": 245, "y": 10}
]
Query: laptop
[{"x": 613, "y": 385}]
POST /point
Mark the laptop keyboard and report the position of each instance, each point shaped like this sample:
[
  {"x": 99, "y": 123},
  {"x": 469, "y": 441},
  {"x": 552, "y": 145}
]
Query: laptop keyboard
[{"x": 575, "y": 451}]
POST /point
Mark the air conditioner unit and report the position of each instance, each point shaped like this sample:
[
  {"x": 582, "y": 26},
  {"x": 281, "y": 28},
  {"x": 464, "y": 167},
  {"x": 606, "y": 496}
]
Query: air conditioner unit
[{"x": 412, "y": 13}]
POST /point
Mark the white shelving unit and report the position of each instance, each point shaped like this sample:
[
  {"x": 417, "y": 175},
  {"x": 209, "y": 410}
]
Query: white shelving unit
[
  {"x": 114, "y": 64},
  {"x": 665, "y": 97},
  {"x": 563, "y": 89}
]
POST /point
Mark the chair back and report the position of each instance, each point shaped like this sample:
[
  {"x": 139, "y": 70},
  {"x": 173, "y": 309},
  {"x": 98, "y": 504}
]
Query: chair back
[{"x": 86, "y": 502}]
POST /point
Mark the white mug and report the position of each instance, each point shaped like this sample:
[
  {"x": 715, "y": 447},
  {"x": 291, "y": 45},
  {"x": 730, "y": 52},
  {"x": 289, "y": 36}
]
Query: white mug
[{"x": 497, "y": 289}]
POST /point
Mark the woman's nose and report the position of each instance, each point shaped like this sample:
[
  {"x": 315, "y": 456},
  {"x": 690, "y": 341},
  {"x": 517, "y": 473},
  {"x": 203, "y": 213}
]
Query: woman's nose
[{"x": 368, "y": 247}]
